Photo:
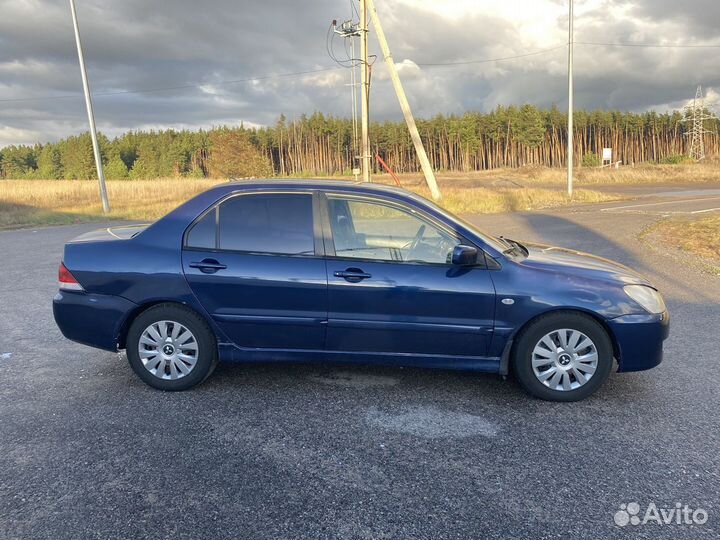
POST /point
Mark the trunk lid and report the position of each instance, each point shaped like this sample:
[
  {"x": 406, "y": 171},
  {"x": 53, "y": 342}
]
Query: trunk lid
[{"x": 123, "y": 232}]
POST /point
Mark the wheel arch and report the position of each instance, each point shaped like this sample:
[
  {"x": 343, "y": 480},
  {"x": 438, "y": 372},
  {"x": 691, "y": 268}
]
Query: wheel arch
[
  {"x": 512, "y": 340},
  {"x": 142, "y": 308}
]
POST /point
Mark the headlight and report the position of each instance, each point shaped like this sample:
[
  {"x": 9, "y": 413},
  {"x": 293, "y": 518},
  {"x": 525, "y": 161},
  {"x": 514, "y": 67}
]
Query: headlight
[{"x": 647, "y": 297}]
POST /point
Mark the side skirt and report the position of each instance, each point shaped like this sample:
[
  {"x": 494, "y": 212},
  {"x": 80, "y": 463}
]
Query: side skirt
[{"x": 232, "y": 353}]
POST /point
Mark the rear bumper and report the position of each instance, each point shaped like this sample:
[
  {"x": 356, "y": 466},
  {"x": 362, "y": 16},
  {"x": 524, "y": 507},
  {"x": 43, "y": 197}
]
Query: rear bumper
[
  {"x": 640, "y": 340},
  {"x": 91, "y": 319}
]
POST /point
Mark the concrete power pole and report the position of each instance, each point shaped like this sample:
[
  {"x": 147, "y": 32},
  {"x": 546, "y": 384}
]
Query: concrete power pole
[
  {"x": 404, "y": 105},
  {"x": 91, "y": 115},
  {"x": 365, "y": 162},
  {"x": 570, "y": 105}
]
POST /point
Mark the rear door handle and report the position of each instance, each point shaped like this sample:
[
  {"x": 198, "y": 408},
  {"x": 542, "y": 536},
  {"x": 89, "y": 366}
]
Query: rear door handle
[
  {"x": 208, "y": 266},
  {"x": 353, "y": 275}
]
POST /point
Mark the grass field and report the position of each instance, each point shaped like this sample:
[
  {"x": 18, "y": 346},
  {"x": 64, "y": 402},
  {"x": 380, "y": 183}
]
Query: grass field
[
  {"x": 53, "y": 202},
  {"x": 700, "y": 237},
  {"x": 585, "y": 177}
]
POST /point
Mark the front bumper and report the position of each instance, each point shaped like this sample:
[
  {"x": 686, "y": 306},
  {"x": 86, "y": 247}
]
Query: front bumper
[
  {"x": 640, "y": 339},
  {"x": 91, "y": 319}
]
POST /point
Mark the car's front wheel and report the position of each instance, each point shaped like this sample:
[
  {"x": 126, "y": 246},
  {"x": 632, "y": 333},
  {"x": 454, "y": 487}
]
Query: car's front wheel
[
  {"x": 562, "y": 357},
  {"x": 171, "y": 347}
]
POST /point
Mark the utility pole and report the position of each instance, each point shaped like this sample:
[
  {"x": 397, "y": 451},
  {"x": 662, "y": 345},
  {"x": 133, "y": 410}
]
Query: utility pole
[
  {"x": 696, "y": 113},
  {"x": 365, "y": 162},
  {"x": 404, "y": 104},
  {"x": 91, "y": 115},
  {"x": 570, "y": 105}
]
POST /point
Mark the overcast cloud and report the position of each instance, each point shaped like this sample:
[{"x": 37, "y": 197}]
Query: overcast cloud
[{"x": 149, "y": 44}]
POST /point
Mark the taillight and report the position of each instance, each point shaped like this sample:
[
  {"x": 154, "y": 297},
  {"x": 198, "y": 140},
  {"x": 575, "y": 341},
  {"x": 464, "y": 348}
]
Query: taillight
[{"x": 67, "y": 281}]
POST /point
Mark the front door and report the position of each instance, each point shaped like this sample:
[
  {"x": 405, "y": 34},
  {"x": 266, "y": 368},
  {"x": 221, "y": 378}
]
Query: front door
[
  {"x": 392, "y": 288},
  {"x": 253, "y": 265}
]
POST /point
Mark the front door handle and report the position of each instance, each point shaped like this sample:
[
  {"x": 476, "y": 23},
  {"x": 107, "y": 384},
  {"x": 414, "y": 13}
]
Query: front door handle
[
  {"x": 353, "y": 275},
  {"x": 208, "y": 266}
]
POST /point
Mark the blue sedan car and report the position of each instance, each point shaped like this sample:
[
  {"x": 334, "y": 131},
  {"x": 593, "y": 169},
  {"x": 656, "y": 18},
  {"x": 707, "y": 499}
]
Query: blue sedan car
[{"x": 304, "y": 271}]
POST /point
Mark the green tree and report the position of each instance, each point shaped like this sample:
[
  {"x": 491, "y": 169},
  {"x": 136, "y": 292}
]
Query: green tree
[
  {"x": 49, "y": 162},
  {"x": 78, "y": 159},
  {"x": 116, "y": 169},
  {"x": 18, "y": 161},
  {"x": 529, "y": 128},
  {"x": 591, "y": 159},
  {"x": 233, "y": 155}
]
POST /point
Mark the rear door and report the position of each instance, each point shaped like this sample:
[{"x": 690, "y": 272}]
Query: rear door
[
  {"x": 254, "y": 262},
  {"x": 392, "y": 288}
]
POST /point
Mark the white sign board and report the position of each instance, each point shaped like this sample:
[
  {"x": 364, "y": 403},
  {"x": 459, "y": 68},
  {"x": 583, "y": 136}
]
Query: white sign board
[{"x": 607, "y": 154}]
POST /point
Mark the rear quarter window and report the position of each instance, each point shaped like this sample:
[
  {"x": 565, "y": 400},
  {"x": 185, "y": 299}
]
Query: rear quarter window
[{"x": 202, "y": 234}]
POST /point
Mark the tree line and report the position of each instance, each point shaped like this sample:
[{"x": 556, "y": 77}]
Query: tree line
[{"x": 324, "y": 145}]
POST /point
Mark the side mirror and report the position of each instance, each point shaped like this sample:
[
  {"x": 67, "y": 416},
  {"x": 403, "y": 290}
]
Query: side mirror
[{"x": 464, "y": 255}]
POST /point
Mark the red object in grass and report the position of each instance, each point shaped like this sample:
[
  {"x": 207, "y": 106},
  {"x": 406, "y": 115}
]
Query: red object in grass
[{"x": 385, "y": 166}]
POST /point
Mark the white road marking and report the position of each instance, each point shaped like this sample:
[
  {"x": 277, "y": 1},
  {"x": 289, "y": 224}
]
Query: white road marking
[
  {"x": 109, "y": 230},
  {"x": 657, "y": 204},
  {"x": 706, "y": 210}
]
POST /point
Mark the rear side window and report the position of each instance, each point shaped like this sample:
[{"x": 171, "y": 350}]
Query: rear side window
[
  {"x": 268, "y": 223},
  {"x": 202, "y": 234}
]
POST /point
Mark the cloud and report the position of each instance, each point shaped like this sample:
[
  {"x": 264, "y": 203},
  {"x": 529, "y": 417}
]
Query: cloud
[
  {"x": 408, "y": 69},
  {"x": 206, "y": 52}
]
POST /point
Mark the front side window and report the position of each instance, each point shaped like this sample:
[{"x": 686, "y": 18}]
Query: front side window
[
  {"x": 275, "y": 223},
  {"x": 373, "y": 230}
]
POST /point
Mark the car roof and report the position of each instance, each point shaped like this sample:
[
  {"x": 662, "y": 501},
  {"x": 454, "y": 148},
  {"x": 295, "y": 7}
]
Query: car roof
[{"x": 313, "y": 183}]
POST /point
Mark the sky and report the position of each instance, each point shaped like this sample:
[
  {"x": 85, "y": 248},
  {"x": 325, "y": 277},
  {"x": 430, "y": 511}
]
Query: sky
[{"x": 192, "y": 64}]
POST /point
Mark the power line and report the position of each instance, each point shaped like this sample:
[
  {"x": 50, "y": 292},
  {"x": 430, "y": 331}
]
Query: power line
[
  {"x": 341, "y": 62},
  {"x": 329, "y": 47},
  {"x": 489, "y": 60},
  {"x": 181, "y": 87},
  {"x": 650, "y": 45},
  {"x": 551, "y": 49}
]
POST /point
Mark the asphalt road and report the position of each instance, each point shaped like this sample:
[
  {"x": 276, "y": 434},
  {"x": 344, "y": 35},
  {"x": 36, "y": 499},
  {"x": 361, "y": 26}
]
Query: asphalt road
[{"x": 313, "y": 452}]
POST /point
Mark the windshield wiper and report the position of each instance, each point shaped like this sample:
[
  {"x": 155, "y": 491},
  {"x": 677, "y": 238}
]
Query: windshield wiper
[{"x": 514, "y": 246}]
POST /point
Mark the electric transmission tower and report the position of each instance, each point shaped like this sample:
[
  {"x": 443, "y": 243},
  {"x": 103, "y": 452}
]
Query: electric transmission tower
[{"x": 696, "y": 112}]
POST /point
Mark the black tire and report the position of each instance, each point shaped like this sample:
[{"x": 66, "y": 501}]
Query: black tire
[
  {"x": 536, "y": 330},
  {"x": 207, "y": 355}
]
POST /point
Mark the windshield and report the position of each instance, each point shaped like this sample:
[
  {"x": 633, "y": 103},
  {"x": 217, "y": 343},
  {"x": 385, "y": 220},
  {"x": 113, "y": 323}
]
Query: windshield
[{"x": 490, "y": 240}]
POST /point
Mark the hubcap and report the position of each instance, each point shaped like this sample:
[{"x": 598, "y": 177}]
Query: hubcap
[
  {"x": 564, "y": 359},
  {"x": 168, "y": 350}
]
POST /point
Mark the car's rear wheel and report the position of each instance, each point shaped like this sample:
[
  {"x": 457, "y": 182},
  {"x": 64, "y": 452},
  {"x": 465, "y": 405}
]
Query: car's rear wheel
[
  {"x": 563, "y": 357},
  {"x": 171, "y": 347}
]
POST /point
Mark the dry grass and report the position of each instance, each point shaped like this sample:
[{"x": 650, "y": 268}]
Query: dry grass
[
  {"x": 51, "y": 202},
  {"x": 705, "y": 172},
  {"x": 483, "y": 200},
  {"x": 701, "y": 237},
  {"x": 642, "y": 174}
]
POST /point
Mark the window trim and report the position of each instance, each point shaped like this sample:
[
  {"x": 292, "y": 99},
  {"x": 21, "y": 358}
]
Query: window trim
[
  {"x": 318, "y": 245},
  {"x": 403, "y": 207}
]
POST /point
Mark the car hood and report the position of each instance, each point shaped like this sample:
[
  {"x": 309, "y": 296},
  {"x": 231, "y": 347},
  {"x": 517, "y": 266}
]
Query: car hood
[{"x": 569, "y": 261}]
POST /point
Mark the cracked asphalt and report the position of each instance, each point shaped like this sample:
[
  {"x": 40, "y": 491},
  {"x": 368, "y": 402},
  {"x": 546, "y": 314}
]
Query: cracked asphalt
[{"x": 87, "y": 451}]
